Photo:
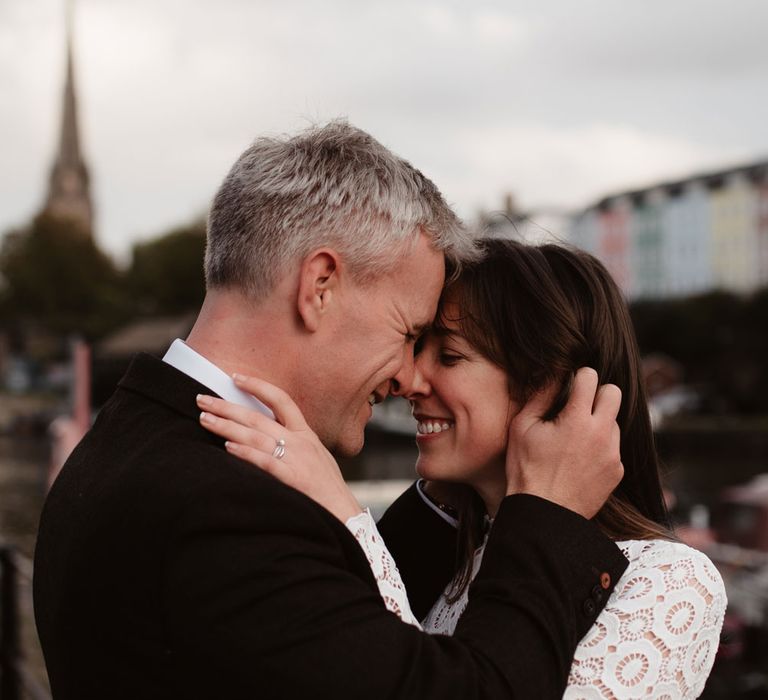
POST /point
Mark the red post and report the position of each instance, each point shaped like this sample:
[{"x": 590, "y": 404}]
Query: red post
[
  {"x": 81, "y": 393},
  {"x": 68, "y": 430}
]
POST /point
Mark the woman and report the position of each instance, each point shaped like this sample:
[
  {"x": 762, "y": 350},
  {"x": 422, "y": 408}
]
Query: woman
[{"x": 523, "y": 319}]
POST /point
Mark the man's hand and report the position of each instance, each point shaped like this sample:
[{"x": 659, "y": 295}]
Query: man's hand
[{"x": 573, "y": 460}]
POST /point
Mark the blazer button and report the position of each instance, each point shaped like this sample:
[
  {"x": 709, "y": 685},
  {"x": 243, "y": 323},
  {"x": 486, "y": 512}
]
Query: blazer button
[
  {"x": 605, "y": 580},
  {"x": 598, "y": 594},
  {"x": 589, "y": 607}
]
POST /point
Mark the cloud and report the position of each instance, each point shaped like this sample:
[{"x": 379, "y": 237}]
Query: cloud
[
  {"x": 572, "y": 166},
  {"x": 557, "y": 101},
  {"x": 662, "y": 40}
]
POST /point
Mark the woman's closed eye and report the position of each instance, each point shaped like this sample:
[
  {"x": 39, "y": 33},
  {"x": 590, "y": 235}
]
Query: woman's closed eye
[{"x": 449, "y": 359}]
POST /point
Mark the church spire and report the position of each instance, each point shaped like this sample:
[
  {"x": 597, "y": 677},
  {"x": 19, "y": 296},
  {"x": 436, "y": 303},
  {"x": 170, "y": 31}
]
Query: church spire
[{"x": 69, "y": 191}]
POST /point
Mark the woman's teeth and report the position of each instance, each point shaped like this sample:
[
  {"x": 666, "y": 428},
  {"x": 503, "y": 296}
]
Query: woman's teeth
[{"x": 428, "y": 426}]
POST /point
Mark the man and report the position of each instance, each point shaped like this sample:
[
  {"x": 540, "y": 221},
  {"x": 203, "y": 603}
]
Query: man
[{"x": 166, "y": 568}]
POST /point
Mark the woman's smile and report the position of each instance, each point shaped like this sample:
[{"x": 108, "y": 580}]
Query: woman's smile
[{"x": 431, "y": 426}]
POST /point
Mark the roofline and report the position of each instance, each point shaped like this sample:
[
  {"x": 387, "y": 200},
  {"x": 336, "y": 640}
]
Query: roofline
[{"x": 754, "y": 167}]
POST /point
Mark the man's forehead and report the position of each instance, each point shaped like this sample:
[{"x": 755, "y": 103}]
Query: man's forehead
[
  {"x": 423, "y": 306},
  {"x": 418, "y": 314},
  {"x": 421, "y": 281}
]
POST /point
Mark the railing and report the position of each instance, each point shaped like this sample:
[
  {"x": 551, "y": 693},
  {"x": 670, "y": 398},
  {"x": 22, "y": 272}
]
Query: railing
[{"x": 16, "y": 679}]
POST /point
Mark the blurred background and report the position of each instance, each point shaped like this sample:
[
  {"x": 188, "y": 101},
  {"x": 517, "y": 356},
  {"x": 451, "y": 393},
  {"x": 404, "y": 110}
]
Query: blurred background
[{"x": 635, "y": 131}]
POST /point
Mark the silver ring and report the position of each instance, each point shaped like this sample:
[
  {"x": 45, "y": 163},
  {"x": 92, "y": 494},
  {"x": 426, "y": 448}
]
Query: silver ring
[{"x": 279, "y": 451}]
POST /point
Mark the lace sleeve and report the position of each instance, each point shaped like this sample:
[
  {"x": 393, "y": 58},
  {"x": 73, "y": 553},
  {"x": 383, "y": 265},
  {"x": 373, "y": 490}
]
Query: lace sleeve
[
  {"x": 382, "y": 565},
  {"x": 659, "y": 632}
]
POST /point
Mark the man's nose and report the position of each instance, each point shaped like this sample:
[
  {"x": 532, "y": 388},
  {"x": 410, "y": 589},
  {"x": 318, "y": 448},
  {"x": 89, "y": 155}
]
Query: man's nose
[{"x": 410, "y": 380}]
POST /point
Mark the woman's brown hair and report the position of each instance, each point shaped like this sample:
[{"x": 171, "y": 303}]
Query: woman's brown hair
[{"x": 540, "y": 313}]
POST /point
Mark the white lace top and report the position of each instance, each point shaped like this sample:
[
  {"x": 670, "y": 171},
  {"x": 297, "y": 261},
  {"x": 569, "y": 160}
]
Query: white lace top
[
  {"x": 391, "y": 587},
  {"x": 656, "y": 638}
]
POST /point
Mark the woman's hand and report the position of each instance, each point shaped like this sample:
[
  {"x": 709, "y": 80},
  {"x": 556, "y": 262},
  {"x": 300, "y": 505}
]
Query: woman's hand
[{"x": 305, "y": 464}]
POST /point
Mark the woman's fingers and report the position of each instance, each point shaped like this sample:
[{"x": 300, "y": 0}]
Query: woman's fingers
[
  {"x": 249, "y": 435},
  {"x": 246, "y": 417},
  {"x": 260, "y": 459},
  {"x": 282, "y": 405},
  {"x": 305, "y": 464},
  {"x": 236, "y": 432},
  {"x": 286, "y": 412}
]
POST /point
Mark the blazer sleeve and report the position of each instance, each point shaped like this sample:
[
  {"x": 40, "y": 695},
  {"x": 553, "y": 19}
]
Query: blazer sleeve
[
  {"x": 261, "y": 602},
  {"x": 424, "y": 547}
]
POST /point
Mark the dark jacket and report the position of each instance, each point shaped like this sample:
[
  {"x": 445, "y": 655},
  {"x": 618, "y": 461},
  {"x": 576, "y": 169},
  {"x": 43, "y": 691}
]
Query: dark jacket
[{"x": 165, "y": 568}]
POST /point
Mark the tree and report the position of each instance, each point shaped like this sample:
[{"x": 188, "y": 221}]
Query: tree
[
  {"x": 56, "y": 276},
  {"x": 166, "y": 274}
]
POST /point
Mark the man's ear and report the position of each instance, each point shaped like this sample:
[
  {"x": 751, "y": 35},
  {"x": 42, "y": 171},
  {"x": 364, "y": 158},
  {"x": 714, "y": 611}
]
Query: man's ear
[{"x": 319, "y": 279}]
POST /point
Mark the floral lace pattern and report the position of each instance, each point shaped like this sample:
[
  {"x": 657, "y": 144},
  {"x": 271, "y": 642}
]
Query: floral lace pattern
[
  {"x": 444, "y": 615},
  {"x": 383, "y": 566},
  {"x": 657, "y": 636},
  {"x": 659, "y": 632}
]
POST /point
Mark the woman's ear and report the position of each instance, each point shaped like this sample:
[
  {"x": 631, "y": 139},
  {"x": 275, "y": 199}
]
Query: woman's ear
[{"x": 319, "y": 279}]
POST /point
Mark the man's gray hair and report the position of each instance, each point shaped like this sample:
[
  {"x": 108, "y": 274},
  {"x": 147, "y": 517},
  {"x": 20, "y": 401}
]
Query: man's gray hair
[{"x": 331, "y": 185}]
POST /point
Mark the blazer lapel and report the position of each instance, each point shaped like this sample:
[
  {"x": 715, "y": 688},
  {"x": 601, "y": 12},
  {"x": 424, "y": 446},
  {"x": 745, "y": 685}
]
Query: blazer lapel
[{"x": 158, "y": 381}]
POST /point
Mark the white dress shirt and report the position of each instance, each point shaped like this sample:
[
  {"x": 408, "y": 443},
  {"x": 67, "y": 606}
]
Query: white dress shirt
[
  {"x": 194, "y": 365},
  {"x": 445, "y": 516}
]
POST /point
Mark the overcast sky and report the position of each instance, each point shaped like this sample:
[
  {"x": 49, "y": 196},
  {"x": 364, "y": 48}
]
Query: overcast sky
[{"x": 557, "y": 101}]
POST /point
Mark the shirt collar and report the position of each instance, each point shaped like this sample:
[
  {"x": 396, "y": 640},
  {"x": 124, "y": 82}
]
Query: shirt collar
[{"x": 194, "y": 365}]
